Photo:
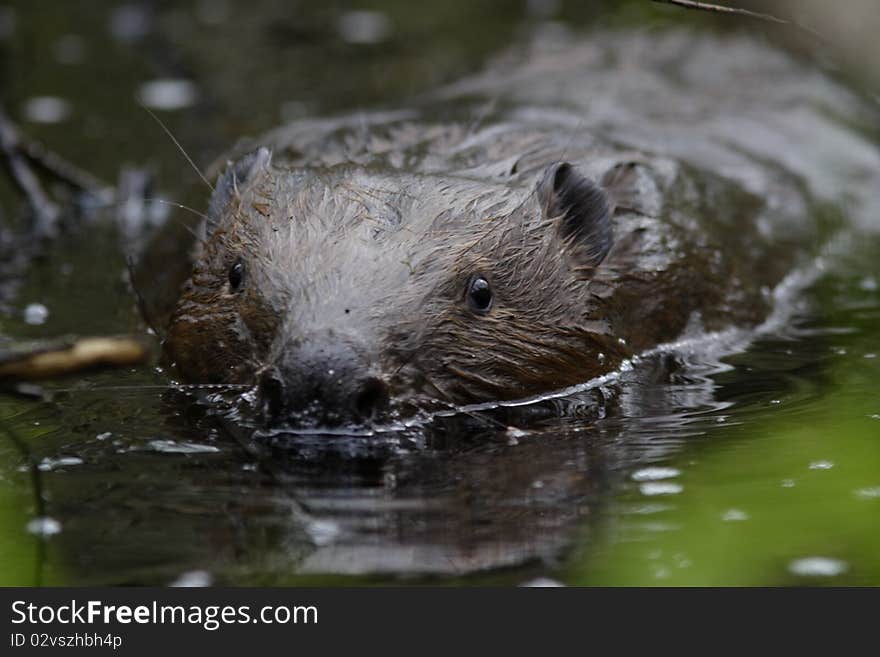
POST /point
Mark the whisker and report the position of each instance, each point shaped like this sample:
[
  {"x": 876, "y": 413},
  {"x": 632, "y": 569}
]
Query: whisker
[{"x": 176, "y": 143}]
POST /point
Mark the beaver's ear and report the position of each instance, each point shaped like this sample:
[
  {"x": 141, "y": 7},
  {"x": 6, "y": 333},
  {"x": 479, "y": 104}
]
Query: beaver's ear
[
  {"x": 582, "y": 209},
  {"x": 230, "y": 181}
]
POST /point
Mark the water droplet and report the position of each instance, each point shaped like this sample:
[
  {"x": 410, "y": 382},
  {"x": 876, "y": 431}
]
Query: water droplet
[
  {"x": 193, "y": 578},
  {"x": 660, "y": 488},
  {"x": 655, "y": 474},
  {"x": 821, "y": 465},
  {"x": 868, "y": 284},
  {"x": 734, "y": 515},
  {"x": 44, "y": 526},
  {"x": 871, "y": 355},
  {"x": 104, "y": 436},
  {"x": 817, "y": 567},
  {"x": 364, "y": 27},
  {"x": 538, "y": 484},
  {"x": 36, "y": 314},
  {"x": 168, "y": 94}
]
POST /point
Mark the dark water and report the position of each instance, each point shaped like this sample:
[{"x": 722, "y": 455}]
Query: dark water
[{"x": 728, "y": 461}]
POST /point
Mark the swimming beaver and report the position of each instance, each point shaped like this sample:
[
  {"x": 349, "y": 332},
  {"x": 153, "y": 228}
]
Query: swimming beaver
[{"x": 602, "y": 210}]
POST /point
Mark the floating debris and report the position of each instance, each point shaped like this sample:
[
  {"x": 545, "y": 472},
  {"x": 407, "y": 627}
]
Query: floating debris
[{"x": 41, "y": 360}]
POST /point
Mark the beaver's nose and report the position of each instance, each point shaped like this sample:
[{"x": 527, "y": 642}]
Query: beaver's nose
[{"x": 331, "y": 384}]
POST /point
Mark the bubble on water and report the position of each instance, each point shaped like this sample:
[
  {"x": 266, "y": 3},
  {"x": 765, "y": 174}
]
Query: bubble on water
[
  {"x": 871, "y": 493},
  {"x": 874, "y": 416},
  {"x": 364, "y": 27},
  {"x": 787, "y": 483},
  {"x": 660, "y": 488},
  {"x": 655, "y": 474},
  {"x": 734, "y": 515},
  {"x": 193, "y": 578},
  {"x": 35, "y": 314},
  {"x": 821, "y": 465},
  {"x": 868, "y": 284},
  {"x": 775, "y": 401},
  {"x": 104, "y": 436},
  {"x": 174, "y": 447},
  {"x": 818, "y": 567},
  {"x": 49, "y": 464},
  {"x": 46, "y": 109},
  {"x": 542, "y": 582},
  {"x": 168, "y": 94},
  {"x": 538, "y": 484},
  {"x": 871, "y": 355},
  {"x": 44, "y": 526}
]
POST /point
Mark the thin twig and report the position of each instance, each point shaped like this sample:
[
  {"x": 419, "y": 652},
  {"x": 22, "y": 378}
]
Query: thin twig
[
  {"x": 45, "y": 212},
  {"x": 738, "y": 11}
]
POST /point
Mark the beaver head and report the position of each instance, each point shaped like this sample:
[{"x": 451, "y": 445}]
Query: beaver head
[{"x": 338, "y": 290}]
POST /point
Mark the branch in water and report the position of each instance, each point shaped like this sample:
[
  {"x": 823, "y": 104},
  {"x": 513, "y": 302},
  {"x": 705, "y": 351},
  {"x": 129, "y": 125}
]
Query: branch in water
[
  {"x": 49, "y": 360},
  {"x": 737, "y": 11},
  {"x": 46, "y": 213}
]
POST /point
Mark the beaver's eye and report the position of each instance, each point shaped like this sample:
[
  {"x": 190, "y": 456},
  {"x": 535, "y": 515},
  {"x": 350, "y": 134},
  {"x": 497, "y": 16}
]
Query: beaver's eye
[
  {"x": 236, "y": 275},
  {"x": 479, "y": 294}
]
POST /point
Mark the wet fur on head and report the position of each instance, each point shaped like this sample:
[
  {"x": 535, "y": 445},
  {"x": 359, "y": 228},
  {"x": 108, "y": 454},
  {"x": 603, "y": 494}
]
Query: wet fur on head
[{"x": 382, "y": 262}]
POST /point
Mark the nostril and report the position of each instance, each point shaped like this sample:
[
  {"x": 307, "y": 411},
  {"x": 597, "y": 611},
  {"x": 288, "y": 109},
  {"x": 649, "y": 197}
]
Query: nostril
[
  {"x": 271, "y": 392},
  {"x": 372, "y": 397}
]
